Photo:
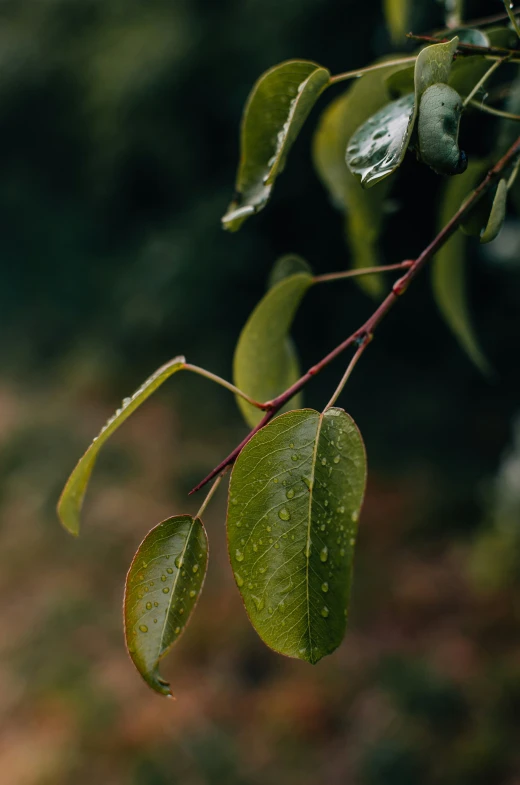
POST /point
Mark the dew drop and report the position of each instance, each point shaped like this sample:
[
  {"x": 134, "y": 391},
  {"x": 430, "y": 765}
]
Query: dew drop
[
  {"x": 169, "y": 570},
  {"x": 195, "y": 568},
  {"x": 240, "y": 580},
  {"x": 156, "y": 604},
  {"x": 259, "y": 603},
  {"x": 294, "y": 457},
  {"x": 323, "y": 461},
  {"x": 325, "y": 587},
  {"x": 163, "y": 578},
  {"x": 194, "y": 593},
  {"x": 177, "y": 630},
  {"x": 178, "y": 562},
  {"x": 275, "y": 480},
  {"x": 355, "y": 516},
  {"x": 268, "y": 528},
  {"x": 324, "y": 554},
  {"x": 290, "y": 493},
  {"x": 307, "y": 481},
  {"x": 143, "y": 628},
  {"x": 324, "y": 611},
  {"x": 284, "y": 514},
  {"x": 148, "y": 606},
  {"x": 166, "y": 590},
  {"x": 239, "y": 555},
  {"x": 337, "y": 459}
]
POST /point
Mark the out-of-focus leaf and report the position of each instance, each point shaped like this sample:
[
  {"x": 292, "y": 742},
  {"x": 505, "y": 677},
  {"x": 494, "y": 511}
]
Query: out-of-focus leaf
[
  {"x": 398, "y": 14},
  {"x": 466, "y": 72},
  {"x": 512, "y": 16},
  {"x": 497, "y": 214},
  {"x": 265, "y": 362},
  {"x": 401, "y": 82},
  {"x": 377, "y": 148},
  {"x": 294, "y": 500},
  {"x": 162, "y": 588},
  {"x": 71, "y": 499},
  {"x": 470, "y": 35},
  {"x": 363, "y": 209},
  {"x": 275, "y": 112},
  {"x": 449, "y": 276},
  {"x": 286, "y": 266}
]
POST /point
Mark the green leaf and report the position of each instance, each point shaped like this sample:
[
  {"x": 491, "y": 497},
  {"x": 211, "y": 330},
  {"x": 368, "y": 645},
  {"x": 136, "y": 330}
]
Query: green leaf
[
  {"x": 265, "y": 362},
  {"x": 162, "y": 588},
  {"x": 285, "y": 266},
  {"x": 398, "y": 13},
  {"x": 433, "y": 66},
  {"x": 71, "y": 500},
  {"x": 449, "y": 274},
  {"x": 377, "y": 148},
  {"x": 275, "y": 112},
  {"x": 401, "y": 82},
  {"x": 294, "y": 500},
  {"x": 364, "y": 216},
  {"x": 512, "y": 16},
  {"x": 497, "y": 214},
  {"x": 470, "y": 35}
]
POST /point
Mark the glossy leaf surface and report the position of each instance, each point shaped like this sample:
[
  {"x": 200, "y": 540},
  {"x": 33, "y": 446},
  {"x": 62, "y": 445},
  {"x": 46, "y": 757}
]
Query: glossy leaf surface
[
  {"x": 449, "y": 268},
  {"x": 162, "y": 588},
  {"x": 377, "y": 148},
  {"x": 294, "y": 500},
  {"x": 364, "y": 215},
  {"x": 275, "y": 112},
  {"x": 265, "y": 362},
  {"x": 71, "y": 500}
]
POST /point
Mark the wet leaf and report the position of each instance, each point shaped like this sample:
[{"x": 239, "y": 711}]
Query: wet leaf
[
  {"x": 497, "y": 214},
  {"x": 433, "y": 66},
  {"x": 265, "y": 362},
  {"x": 377, "y": 149},
  {"x": 275, "y": 112},
  {"x": 162, "y": 588},
  {"x": 294, "y": 500},
  {"x": 71, "y": 500},
  {"x": 364, "y": 216},
  {"x": 449, "y": 268}
]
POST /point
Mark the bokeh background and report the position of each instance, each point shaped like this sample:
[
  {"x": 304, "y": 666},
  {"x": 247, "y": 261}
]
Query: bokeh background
[{"x": 118, "y": 147}]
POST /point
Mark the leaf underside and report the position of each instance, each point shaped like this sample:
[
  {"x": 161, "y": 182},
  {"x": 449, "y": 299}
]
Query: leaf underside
[
  {"x": 162, "y": 588},
  {"x": 294, "y": 500},
  {"x": 71, "y": 499},
  {"x": 265, "y": 362}
]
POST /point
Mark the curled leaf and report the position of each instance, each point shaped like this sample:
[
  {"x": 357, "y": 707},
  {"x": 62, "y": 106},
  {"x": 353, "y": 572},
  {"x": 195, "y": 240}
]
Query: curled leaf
[
  {"x": 275, "y": 112},
  {"x": 71, "y": 499},
  {"x": 497, "y": 214},
  {"x": 162, "y": 588},
  {"x": 295, "y": 496}
]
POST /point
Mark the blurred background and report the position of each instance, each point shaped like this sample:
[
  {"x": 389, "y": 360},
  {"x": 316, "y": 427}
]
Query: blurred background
[{"x": 118, "y": 147}]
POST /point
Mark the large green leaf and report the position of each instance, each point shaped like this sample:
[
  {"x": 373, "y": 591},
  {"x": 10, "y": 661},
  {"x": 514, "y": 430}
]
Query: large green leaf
[
  {"x": 265, "y": 362},
  {"x": 275, "y": 112},
  {"x": 71, "y": 500},
  {"x": 449, "y": 268},
  {"x": 162, "y": 588},
  {"x": 363, "y": 209},
  {"x": 294, "y": 500}
]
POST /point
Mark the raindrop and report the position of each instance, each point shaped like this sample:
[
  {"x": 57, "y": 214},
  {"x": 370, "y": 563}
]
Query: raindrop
[
  {"x": 194, "y": 593},
  {"x": 337, "y": 459},
  {"x": 355, "y": 516},
  {"x": 290, "y": 493},
  {"x": 169, "y": 570},
  {"x": 307, "y": 481},
  {"x": 284, "y": 514},
  {"x": 177, "y": 630},
  {"x": 323, "y": 461},
  {"x": 143, "y": 628},
  {"x": 324, "y": 611},
  {"x": 195, "y": 568},
  {"x": 166, "y": 590},
  {"x": 239, "y": 555},
  {"x": 240, "y": 580},
  {"x": 325, "y": 587},
  {"x": 259, "y": 602},
  {"x": 163, "y": 578},
  {"x": 178, "y": 562},
  {"x": 148, "y": 606},
  {"x": 324, "y": 554}
]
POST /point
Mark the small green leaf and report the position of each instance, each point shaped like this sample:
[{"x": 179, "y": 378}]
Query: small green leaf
[
  {"x": 275, "y": 112},
  {"x": 398, "y": 13},
  {"x": 265, "y": 362},
  {"x": 449, "y": 276},
  {"x": 364, "y": 215},
  {"x": 162, "y": 588},
  {"x": 377, "y": 149},
  {"x": 433, "y": 66},
  {"x": 497, "y": 214},
  {"x": 71, "y": 500},
  {"x": 470, "y": 35},
  {"x": 286, "y": 266},
  {"x": 294, "y": 501}
]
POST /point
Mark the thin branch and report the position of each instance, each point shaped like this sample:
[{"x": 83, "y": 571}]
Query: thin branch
[
  {"x": 211, "y": 493},
  {"x": 369, "y": 327},
  {"x": 485, "y": 20},
  {"x": 497, "y": 112},
  {"x": 352, "y": 364},
  {"x": 512, "y": 17},
  {"x": 361, "y": 271},
  {"x": 223, "y": 383},
  {"x": 469, "y": 49},
  {"x": 361, "y": 71},
  {"x": 482, "y": 81}
]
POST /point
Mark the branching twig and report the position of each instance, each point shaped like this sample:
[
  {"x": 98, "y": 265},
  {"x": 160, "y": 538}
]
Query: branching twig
[
  {"x": 361, "y": 335},
  {"x": 469, "y": 49}
]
